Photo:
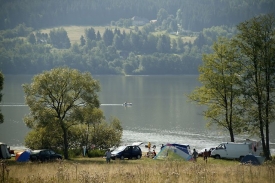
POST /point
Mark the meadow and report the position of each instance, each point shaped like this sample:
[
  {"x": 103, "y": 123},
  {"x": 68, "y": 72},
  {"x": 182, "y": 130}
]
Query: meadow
[{"x": 96, "y": 170}]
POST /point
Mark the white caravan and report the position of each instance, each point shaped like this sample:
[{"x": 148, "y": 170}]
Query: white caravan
[{"x": 232, "y": 150}]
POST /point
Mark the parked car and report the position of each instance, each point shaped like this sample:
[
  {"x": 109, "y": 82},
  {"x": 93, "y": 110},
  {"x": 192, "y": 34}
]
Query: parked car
[
  {"x": 208, "y": 149},
  {"x": 129, "y": 152},
  {"x": 44, "y": 155}
]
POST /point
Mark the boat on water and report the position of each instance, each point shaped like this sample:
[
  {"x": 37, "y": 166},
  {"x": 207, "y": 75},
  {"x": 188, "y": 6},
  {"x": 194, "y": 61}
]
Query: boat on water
[{"x": 127, "y": 104}]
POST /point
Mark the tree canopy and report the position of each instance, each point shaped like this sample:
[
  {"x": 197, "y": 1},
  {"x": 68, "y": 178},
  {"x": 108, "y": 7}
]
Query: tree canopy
[
  {"x": 58, "y": 99},
  {"x": 190, "y": 14},
  {"x": 238, "y": 80},
  {"x": 255, "y": 41},
  {"x": 219, "y": 90},
  {"x": 181, "y": 30}
]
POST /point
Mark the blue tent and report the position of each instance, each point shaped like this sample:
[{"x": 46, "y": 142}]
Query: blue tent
[
  {"x": 23, "y": 156},
  {"x": 251, "y": 159}
]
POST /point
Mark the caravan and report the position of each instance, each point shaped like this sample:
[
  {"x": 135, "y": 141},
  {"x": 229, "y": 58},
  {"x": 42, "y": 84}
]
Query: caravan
[{"x": 232, "y": 150}]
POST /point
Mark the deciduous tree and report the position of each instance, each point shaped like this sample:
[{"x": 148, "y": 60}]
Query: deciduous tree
[
  {"x": 219, "y": 90},
  {"x": 58, "y": 98},
  {"x": 256, "y": 40}
]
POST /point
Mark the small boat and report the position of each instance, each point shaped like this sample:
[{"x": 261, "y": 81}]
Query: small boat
[{"x": 127, "y": 104}]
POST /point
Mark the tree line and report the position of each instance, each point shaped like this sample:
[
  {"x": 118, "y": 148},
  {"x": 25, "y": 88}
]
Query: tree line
[
  {"x": 139, "y": 51},
  {"x": 25, "y": 50},
  {"x": 191, "y": 14}
]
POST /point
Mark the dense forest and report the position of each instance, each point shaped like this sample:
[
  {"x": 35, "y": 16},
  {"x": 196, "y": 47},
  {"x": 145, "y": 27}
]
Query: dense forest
[
  {"x": 148, "y": 48},
  {"x": 192, "y": 14}
]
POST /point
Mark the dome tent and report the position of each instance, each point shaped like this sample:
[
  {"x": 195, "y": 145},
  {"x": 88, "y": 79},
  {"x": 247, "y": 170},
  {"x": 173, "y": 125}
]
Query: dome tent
[
  {"x": 4, "y": 151},
  {"x": 175, "y": 151},
  {"x": 23, "y": 156},
  {"x": 253, "y": 160}
]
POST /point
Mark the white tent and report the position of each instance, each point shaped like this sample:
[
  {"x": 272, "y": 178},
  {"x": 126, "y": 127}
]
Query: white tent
[{"x": 4, "y": 152}]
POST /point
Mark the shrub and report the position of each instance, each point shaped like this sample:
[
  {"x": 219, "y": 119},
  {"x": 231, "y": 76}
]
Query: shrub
[
  {"x": 96, "y": 153},
  {"x": 74, "y": 153}
]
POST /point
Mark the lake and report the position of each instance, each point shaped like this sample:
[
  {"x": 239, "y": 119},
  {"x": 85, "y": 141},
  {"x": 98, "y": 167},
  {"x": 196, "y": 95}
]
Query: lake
[{"x": 160, "y": 114}]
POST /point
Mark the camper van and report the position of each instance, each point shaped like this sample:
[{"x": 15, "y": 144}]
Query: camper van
[{"x": 231, "y": 150}]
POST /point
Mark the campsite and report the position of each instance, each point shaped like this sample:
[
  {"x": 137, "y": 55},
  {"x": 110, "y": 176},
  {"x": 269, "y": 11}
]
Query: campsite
[
  {"x": 173, "y": 163},
  {"x": 172, "y": 169}
]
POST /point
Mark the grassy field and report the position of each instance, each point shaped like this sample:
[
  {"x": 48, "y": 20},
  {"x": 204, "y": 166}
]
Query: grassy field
[
  {"x": 96, "y": 170},
  {"x": 75, "y": 32}
]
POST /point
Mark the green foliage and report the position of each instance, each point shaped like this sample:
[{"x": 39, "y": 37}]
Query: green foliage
[
  {"x": 31, "y": 38},
  {"x": 73, "y": 153},
  {"x": 22, "y": 30},
  {"x": 59, "y": 38},
  {"x": 78, "y": 136},
  {"x": 98, "y": 54},
  {"x": 255, "y": 40},
  {"x": 190, "y": 14},
  {"x": 58, "y": 98},
  {"x": 108, "y": 36},
  {"x": 90, "y": 34},
  {"x": 238, "y": 80},
  {"x": 219, "y": 90},
  {"x": 82, "y": 41},
  {"x": 162, "y": 15},
  {"x": 96, "y": 153}
]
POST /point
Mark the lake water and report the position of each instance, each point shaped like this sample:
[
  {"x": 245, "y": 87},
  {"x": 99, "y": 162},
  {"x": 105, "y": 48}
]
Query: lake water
[{"x": 160, "y": 112}]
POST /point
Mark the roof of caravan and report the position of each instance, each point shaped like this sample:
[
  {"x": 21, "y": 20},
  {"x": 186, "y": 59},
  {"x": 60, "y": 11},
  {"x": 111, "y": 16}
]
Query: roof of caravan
[{"x": 236, "y": 143}]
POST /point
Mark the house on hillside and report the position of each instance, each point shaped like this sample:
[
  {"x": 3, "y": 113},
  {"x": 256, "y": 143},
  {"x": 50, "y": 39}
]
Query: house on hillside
[{"x": 137, "y": 21}]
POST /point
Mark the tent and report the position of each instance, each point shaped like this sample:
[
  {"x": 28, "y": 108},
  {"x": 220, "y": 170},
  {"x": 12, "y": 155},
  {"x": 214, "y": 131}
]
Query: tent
[
  {"x": 4, "y": 151},
  {"x": 23, "y": 156},
  {"x": 253, "y": 160},
  {"x": 175, "y": 151}
]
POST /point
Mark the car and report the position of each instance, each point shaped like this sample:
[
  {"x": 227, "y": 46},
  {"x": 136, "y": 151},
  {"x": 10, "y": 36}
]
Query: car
[
  {"x": 129, "y": 151},
  {"x": 44, "y": 155},
  {"x": 208, "y": 149}
]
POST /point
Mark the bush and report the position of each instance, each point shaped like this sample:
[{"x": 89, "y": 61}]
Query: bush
[
  {"x": 74, "y": 153},
  {"x": 96, "y": 153}
]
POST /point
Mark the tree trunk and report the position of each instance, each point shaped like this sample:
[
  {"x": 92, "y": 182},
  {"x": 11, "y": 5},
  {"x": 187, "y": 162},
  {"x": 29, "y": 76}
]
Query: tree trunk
[
  {"x": 231, "y": 135},
  {"x": 267, "y": 149},
  {"x": 263, "y": 137},
  {"x": 66, "y": 145}
]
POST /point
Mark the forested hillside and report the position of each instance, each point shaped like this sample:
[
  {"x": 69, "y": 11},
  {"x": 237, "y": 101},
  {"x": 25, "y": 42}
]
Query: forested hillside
[
  {"x": 192, "y": 14},
  {"x": 154, "y": 43}
]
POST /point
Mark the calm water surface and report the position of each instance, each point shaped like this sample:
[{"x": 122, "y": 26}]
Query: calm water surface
[{"x": 160, "y": 113}]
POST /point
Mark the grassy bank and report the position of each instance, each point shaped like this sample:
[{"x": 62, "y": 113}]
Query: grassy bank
[{"x": 136, "y": 171}]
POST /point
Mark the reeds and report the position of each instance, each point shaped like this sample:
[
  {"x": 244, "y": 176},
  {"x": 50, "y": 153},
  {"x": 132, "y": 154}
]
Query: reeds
[{"x": 96, "y": 170}]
